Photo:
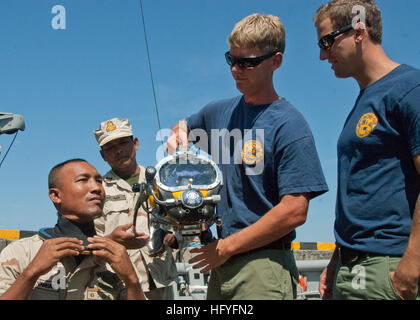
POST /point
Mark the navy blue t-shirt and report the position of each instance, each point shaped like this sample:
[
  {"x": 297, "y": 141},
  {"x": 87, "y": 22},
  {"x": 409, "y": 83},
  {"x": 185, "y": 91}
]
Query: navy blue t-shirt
[
  {"x": 264, "y": 152},
  {"x": 378, "y": 184}
]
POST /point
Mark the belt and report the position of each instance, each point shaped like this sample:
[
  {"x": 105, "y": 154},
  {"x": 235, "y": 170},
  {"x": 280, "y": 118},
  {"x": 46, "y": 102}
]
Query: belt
[
  {"x": 350, "y": 256},
  {"x": 270, "y": 246},
  {"x": 278, "y": 246}
]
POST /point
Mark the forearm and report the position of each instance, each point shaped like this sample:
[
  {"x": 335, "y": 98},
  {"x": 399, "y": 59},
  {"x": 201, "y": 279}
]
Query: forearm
[
  {"x": 411, "y": 258},
  {"x": 275, "y": 224},
  {"x": 134, "y": 290},
  {"x": 405, "y": 278},
  {"x": 22, "y": 288},
  {"x": 334, "y": 259}
]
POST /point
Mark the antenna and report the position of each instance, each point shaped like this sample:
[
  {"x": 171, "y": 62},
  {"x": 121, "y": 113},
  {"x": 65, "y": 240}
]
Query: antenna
[
  {"x": 150, "y": 71},
  {"x": 8, "y": 148}
]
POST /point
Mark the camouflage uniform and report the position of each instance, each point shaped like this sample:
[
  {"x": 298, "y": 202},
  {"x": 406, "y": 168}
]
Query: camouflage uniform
[
  {"x": 158, "y": 274},
  {"x": 90, "y": 280}
]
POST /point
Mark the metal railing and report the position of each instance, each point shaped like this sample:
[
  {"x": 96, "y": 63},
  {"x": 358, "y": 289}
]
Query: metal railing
[{"x": 192, "y": 285}]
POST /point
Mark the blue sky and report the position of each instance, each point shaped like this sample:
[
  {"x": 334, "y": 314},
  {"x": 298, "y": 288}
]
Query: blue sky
[{"x": 65, "y": 82}]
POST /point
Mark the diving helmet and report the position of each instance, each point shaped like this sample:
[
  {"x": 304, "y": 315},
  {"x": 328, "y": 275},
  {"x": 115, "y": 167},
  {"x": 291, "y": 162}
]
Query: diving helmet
[
  {"x": 182, "y": 190},
  {"x": 188, "y": 186}
]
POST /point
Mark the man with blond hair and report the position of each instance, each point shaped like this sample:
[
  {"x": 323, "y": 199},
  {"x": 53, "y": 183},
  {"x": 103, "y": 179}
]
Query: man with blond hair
[
  {"x": 272, "y": 172},
  {"x": 377, "y": 225}
]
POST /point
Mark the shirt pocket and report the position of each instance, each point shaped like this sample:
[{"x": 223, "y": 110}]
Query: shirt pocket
[
  {"x": 44, "y": 293},
  {"x": 116, "y": 204},
  {"x": 45, "y": 290},
  {"x": 117, "y": 211},
  {"x": 107, "y": 286}
]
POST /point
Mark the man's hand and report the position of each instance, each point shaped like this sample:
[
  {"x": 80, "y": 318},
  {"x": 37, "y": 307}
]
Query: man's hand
[
  {"x": 179, "y": 136},
  {"x": 115, "y": 254},
  {"x": 117, "y": 257},
  {"x": 405, "y": 286},
  {"x": 52, "y": 251},
  {"x": 130, "y": 240},
  {"x": 170, "y": 241},
  {"x": 209, "y": 256},
  {"x": 326, "y": 279}
]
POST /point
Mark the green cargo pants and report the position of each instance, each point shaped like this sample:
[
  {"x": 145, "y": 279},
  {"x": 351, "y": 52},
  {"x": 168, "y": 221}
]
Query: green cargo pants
[
  {"x": 264, "y": 274},
  {"x": 366, "y": 279}
]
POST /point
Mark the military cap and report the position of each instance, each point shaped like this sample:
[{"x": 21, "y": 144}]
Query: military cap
[{"x": 112, "y": 129}]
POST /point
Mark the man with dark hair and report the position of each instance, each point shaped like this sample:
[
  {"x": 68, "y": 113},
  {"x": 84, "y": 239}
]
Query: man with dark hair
[
  {"x": 118, "y": 148},
  {"x": 69, "y": 261},
  {"x": 52, "y": 176},
  {"x": 377, "y": 225}
]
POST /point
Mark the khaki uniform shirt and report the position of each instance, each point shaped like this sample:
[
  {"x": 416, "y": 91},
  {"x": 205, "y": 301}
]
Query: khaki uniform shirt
[
  {"x": 65, "y": 281},
  {"x": 118, "y": 210}
]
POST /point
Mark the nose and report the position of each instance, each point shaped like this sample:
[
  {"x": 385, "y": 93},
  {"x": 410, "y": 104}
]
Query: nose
[
  {"x": 96, "y": 187},
  {"x": 119, "y": 152},
  {"x": 119, "y": 149},
  {"x": 234, "y": 68},
  {"x": 323, "y": 54}
]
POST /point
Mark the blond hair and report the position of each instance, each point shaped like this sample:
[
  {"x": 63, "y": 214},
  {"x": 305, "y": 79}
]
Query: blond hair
[
  {"x": 262, "y": 31},
  {"x": 341, "y": 14}
]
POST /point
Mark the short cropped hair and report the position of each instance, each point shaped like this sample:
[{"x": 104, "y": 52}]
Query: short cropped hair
[
  {"x": 262, "y": 31},
  {"x": 340, "y": 13},
  {"x": 52, "y": 176}
]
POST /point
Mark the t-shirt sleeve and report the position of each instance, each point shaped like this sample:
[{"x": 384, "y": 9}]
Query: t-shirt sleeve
[
  {"x": 410, "y": 119},
  {"x": 200, "y": 124},
  {"x": 212, "y": 115},
  {"x": 299, "y": 169},
  {"x": 197, "y": 120}
]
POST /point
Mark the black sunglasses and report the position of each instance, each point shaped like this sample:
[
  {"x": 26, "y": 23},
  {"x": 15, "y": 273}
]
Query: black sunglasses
[
  {"x": 244, "y": 63},
  {"x": 327, "y": 41}
]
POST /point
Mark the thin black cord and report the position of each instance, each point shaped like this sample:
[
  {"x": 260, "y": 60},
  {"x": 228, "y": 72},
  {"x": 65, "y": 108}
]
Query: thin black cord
[
  {"x": 150, "y": 70},
  {"x": 9, "y": 148}
]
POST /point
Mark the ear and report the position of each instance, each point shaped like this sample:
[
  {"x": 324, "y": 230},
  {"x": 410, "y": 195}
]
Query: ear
[
  {"x": 360, "y": 32},
  {"x": 277, "y": 60},
  {"x": 102, "y": 154},
  {"x": 55, "y": 195},
  {"x": 136, "y": 143}
]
